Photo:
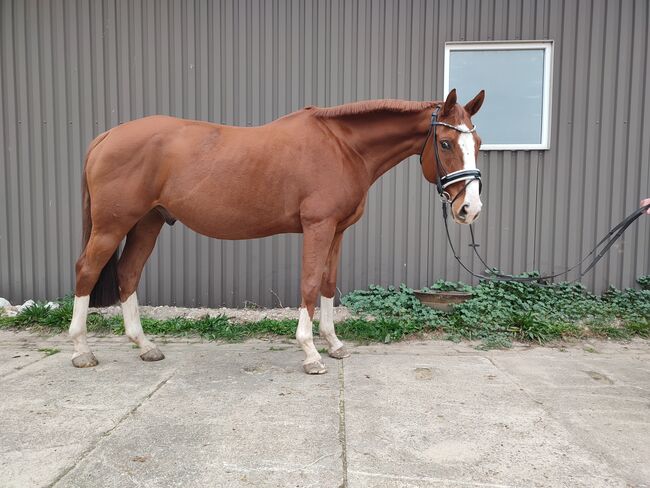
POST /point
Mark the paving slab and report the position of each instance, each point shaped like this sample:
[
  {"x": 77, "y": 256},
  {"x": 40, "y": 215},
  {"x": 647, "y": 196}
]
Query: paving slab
[
  {"x": 601, "y": 398},
  {"x": 455, "y": 421},
  {"x": 228, "y": 416},
  {"x": 52, "y": 414},
  {"x": 412, "y": 414}
]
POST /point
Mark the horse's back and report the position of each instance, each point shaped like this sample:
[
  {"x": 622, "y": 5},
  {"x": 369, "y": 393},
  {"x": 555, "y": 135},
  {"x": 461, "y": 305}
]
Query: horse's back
[
  {"x": 223, "y": 181},
  {"x": 147, "y": 142}
]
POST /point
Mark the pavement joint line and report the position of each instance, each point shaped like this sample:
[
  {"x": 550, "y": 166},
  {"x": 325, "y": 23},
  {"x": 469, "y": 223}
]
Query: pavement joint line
[
  {"x": 342, "y": 433},
  {"x": 17, "y": 369},
  {"x": 512, "y": 380},
  {"x": 427, "y": 479},
  {"x": 107, "y": 433}
]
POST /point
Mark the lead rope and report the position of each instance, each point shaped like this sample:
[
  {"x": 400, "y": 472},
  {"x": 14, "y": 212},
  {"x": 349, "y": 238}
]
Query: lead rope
[{"x": 610, "y": 238}]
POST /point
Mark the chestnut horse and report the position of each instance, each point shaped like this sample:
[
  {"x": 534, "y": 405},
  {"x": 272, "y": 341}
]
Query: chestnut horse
[{"x": 309, "y": 171}]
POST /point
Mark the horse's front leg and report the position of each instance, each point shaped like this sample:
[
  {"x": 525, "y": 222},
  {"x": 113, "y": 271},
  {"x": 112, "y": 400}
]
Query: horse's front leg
[
  {"x": 315, "y": 250},
  {"x": 335, "y": 349}
]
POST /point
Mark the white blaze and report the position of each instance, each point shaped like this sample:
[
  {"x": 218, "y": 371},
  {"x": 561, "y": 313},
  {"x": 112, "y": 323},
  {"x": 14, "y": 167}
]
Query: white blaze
[{"x": 472, "y": 196}]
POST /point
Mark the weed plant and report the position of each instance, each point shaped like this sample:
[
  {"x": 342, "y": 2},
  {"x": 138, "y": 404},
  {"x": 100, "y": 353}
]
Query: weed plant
[
  {"x": 502, "y": 311},
  {"x": 498, "y": 313}
]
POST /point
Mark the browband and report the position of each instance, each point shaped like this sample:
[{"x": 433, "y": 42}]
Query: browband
[{"x": 456, "y": 127}]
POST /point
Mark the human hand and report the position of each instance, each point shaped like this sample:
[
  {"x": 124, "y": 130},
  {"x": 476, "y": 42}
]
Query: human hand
[{"x": 644, "y": 203}]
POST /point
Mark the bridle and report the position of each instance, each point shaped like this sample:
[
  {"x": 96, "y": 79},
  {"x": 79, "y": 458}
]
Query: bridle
[
  {"x": 444, "y": 181},
  {"x": 469, "y": 175}
]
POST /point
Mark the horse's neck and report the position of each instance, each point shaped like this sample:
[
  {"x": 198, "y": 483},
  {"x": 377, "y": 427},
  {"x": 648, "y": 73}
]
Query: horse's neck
[{"x": 383, "y": 139}]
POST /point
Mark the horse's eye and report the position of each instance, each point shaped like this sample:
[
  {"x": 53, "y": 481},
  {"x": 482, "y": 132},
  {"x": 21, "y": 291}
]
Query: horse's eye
[{"x": 445, "y": 144}]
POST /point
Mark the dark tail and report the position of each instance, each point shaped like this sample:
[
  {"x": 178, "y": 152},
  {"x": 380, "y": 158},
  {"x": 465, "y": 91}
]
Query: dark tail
[{"x": 106, "y": 291}]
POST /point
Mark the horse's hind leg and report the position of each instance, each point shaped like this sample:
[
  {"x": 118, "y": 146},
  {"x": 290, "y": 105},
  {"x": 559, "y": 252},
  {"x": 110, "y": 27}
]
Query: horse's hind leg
[
  {"x": 140, "y": 242},
  {"x": 335, "y": 349},
  {"x": 99, "y": 249}
]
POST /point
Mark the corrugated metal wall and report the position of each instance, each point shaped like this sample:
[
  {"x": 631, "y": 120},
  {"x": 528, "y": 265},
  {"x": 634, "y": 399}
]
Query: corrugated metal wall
[{"x": 71, "y": 69}]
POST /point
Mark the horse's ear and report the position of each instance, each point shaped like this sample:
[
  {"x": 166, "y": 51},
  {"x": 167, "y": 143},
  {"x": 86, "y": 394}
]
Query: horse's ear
[
  {"x": 449, "y": 103},
  {"x": 475, "y": 103}
]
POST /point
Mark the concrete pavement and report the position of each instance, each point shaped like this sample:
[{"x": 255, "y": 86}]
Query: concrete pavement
[{"x": 413, "y": 414}]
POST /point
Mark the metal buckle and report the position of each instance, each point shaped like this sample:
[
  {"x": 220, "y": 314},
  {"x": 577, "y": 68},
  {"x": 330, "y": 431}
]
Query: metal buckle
[{"x": 445, "y": 197}]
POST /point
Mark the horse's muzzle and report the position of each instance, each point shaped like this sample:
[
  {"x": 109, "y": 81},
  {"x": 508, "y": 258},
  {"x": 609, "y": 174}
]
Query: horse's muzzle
[{"x": 467, "y": 213}]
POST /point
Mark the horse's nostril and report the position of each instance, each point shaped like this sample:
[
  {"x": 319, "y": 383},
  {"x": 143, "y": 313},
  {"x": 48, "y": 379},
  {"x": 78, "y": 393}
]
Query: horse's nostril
[{"x": 464, "y": 210}]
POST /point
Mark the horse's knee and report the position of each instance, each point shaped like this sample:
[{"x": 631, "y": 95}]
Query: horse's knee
[{"x": 310, "y": 289}]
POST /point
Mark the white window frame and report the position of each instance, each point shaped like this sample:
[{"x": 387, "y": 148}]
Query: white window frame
[{"x": 547, "y": 46}]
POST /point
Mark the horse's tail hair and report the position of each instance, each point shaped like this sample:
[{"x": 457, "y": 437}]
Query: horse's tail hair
[{"x": 106, "y": 291}]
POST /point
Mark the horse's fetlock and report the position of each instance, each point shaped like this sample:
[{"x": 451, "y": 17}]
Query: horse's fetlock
[
  {"x": 303, "y": 337},
  {"x": 137, "y": 337}
]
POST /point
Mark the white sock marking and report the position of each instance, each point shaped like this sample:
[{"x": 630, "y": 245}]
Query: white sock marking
[
  {"x": 326, "y": 328},
  {"x": 305, "y": 337},
  {"x": 132, "y": 325},
  {"x": 77, "y": 329}
]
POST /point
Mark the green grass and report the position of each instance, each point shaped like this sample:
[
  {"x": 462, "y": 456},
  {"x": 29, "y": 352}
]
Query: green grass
[
  {"x": 49, "y": 351},
  {"x": 498, "y": 314}
]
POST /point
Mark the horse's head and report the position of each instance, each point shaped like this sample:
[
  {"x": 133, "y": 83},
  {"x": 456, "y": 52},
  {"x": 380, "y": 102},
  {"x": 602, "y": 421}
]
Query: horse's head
[{"x": 450, "y": 153}]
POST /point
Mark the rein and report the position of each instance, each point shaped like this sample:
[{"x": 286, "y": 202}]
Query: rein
[
  {"x": 470, "y": 175},
  {"x": 610, "y": 238}
]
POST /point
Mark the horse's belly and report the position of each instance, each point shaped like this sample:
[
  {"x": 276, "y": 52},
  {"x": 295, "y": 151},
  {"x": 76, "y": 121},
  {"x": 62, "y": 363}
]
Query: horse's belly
[{"x": 233, "y": 223}]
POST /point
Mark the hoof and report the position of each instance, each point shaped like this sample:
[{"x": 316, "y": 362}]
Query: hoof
[
  {"x": 340, "y": 353},
  {"x": 154, "y": 354},
  {"x": 85, "y": 360},
  {"x": 315, "y": 368}
]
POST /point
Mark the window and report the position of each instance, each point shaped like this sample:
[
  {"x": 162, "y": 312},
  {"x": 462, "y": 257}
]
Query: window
[{"x": 516, "y": 77}]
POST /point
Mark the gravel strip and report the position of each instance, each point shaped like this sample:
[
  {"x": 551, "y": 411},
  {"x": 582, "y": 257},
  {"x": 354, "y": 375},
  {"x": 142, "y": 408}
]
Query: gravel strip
[{"x": 237, "y": 315}]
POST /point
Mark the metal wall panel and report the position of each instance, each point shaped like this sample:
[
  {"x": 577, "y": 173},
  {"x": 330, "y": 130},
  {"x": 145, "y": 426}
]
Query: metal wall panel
[{"x": 71, "y": 69}]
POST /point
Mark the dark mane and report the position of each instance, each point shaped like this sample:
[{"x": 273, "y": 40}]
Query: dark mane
[{"x": 367, "y": 106}]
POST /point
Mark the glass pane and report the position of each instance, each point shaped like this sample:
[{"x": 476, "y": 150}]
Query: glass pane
[{"x": 513, "y": 81}]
